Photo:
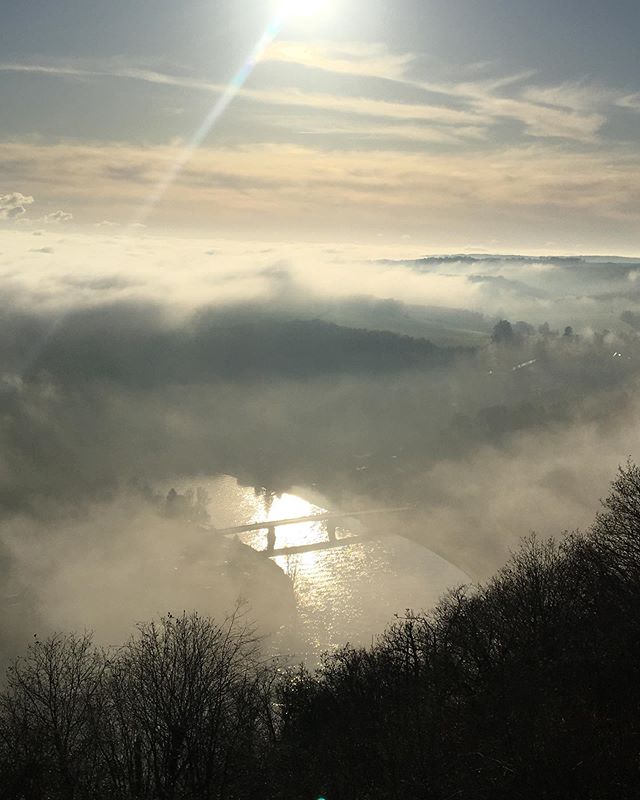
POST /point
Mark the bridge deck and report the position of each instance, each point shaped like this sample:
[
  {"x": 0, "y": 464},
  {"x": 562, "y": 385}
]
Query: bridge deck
[
  {"x": 316, "y": 546},
  {"x": 329, "y": 516}
]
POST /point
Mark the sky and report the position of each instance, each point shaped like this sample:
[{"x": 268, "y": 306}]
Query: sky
[{"x": 505, "y": 126}]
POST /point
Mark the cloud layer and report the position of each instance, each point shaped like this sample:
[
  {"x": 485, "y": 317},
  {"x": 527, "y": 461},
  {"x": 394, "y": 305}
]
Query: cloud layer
[{"x": 347, "y": 140}]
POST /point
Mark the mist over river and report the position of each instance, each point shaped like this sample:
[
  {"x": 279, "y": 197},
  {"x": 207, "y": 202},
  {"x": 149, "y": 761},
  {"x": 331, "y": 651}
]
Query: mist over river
[{"x": 346, "y": 594}]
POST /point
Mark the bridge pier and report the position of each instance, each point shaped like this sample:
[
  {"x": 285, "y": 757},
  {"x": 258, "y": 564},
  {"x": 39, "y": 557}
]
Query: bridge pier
[{"x": 271, "y": 538}]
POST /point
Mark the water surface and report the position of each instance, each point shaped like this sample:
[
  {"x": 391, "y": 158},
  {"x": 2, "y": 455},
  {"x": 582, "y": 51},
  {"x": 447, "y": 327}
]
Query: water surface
[{"x": 348, "y": 594}]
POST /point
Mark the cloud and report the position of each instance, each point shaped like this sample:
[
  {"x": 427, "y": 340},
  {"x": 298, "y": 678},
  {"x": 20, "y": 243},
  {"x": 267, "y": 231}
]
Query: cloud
[
  {"x": 367, "y": 106},
  {"x": 120, "y": 560},
  {"x": 14, "y": 205},
  {"x": 521, "y": 192},
  {"x": 110, "y": 69},
  {"x": 572, "y": 95},
  {"x": 562, "y": 112},
  {"x": 545, "y": 481},
  {"x": 543, "y": 121},
  {"x": 545, "y": 112},
  {"x": 303, "y": 276},
  {"x": 363, "y": 59},
  {"x": 56, "y": 217},
  {"x": 368, "y": 131},
  {"x": 630, "y": 101},
  {"x": 498, "y": 283}
]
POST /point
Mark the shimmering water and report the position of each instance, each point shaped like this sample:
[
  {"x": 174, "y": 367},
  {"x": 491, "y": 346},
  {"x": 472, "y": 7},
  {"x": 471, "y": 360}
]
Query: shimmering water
[{"x": 348, "y": 594}]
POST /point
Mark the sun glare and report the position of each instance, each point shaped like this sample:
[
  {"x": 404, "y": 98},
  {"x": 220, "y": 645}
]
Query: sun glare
[{"x": 303, "y": 9}]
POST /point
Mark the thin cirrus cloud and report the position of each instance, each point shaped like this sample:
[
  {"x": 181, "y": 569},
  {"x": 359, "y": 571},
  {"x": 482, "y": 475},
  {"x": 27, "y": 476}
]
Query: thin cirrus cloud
[
  {"x": 287, "y": 96},
  {"x": 564, "y": 112},
  {"x": 351, "y": 58},
  {"x": 574, "y": 96},
  {"x": 374, "y": 143}
]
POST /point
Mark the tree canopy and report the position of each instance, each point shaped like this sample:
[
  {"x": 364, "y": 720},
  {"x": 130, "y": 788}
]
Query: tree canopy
[{"x": 525, "y": 687}]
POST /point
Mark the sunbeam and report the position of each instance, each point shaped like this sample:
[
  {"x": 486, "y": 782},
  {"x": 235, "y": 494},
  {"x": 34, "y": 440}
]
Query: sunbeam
[{"x": 222, "y": 104}]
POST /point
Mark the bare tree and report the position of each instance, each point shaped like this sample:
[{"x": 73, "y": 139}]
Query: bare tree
[
  {"x": 185, "y": 709},
  {"x": 49, "y": 712}
]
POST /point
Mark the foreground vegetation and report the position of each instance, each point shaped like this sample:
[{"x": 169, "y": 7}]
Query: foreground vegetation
[{"x": 527, "y": 687}]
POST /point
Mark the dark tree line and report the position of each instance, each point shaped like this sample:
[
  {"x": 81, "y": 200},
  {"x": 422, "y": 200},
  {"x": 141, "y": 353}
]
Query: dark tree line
[
  {"x": 183, "y": 710},
  {"x": 527, "y": 687}
]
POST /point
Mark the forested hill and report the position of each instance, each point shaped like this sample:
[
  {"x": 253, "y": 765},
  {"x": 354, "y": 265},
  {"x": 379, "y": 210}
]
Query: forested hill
[{"x": 143, "y": 352}]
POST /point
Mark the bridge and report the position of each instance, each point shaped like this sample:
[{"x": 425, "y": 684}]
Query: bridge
[{"x": 331, "y": 520}]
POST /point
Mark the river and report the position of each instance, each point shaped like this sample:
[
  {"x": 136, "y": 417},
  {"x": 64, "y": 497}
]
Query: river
[{"x": 348, "y": 594}]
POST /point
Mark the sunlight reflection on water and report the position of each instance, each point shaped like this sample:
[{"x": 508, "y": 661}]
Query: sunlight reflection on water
[{"x": 348, "y": 594}]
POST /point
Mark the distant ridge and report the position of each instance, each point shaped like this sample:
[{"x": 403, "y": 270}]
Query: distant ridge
[{"x": 474, "y": 258}]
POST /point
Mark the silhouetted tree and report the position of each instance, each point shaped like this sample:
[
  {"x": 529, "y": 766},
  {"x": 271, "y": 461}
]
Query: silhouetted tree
[
  {"x": 526, "y": 687},
  {"x": 503, "y": 333},
  {"x": 544, "y": 329},
  {"x": 523, "y": 329},
  {"x": 185, "y": 711},
  {"x": 632, "y": 319},
  {"x": 49, "y": 714}
]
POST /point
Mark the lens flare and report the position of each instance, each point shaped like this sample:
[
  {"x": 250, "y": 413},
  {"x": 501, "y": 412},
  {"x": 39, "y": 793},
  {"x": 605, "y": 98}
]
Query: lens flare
[{"x": 285, "y": 10}]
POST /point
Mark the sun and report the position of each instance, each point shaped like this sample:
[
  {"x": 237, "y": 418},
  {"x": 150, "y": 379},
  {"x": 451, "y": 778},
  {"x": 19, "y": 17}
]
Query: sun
[{"x": 303, "y": 9}]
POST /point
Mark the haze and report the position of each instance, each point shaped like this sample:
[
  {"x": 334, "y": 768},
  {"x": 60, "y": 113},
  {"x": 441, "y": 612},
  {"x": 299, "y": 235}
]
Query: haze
[{"x": 369, "y": 254}]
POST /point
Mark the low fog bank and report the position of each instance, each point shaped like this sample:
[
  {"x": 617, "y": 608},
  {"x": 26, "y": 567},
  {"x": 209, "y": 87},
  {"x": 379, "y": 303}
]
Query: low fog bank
[
  {"x": 496, "y": 430},
  {"x": 448, "y": 299},
  {"x": 104, "y": 566}
]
